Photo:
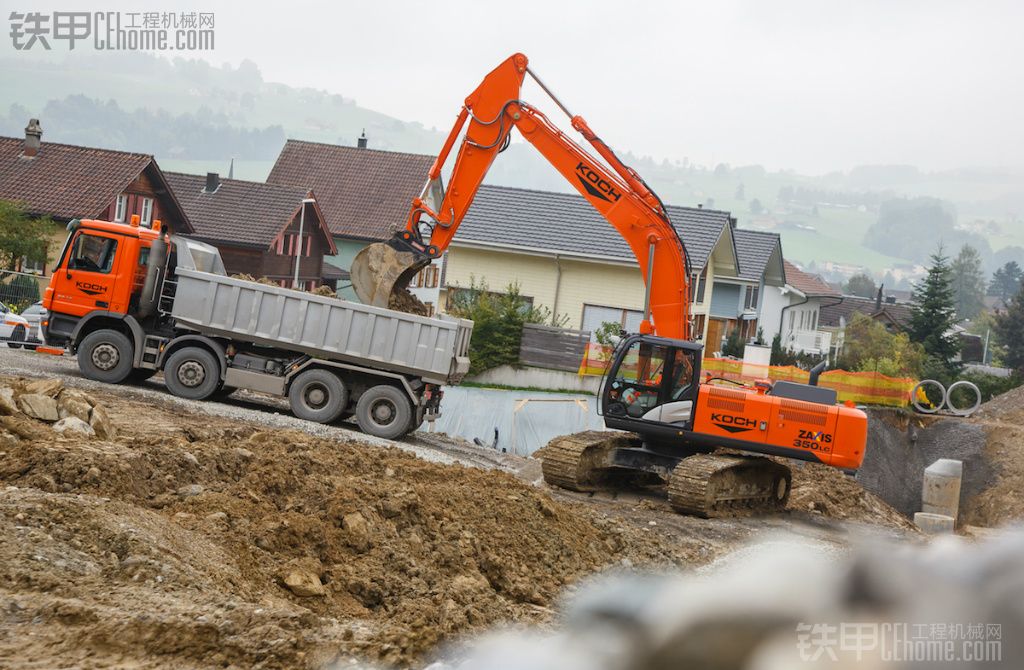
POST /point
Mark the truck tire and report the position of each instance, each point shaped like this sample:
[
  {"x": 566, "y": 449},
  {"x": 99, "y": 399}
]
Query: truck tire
[
  {"x": 105, "y": 356},
  {"x": 384, "y": 411},
  {"x": 17, "y": 337},
  {"x": 318, "y": 395},
  {"x": 192, "y": 373}
]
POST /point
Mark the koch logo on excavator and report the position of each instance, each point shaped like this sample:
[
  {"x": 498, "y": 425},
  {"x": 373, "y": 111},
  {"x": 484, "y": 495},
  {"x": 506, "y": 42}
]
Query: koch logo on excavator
[
  {"x": 733, "y": 424},
  {"x": 595, "y": 184}
]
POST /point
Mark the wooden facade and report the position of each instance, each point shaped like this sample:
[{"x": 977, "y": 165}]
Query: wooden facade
[{"x": 148, "y": 199}]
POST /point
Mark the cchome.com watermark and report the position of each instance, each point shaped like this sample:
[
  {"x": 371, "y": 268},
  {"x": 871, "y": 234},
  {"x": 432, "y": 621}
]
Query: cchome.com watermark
[
  {"x": 901, "y": 642},
  {"x": 113, "y": 31}
]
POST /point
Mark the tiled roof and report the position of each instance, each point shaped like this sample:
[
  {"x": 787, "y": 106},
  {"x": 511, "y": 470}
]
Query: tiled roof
[
  {"x": 808, "y": 284},
  {"x": 243, "y": 213},
  {"x": 363, "y": 193},
  {"x": 760, "y": 255},
  {"x": 65, "y": 181},
  {"x": 833, "y": 316},
  {"x": 566, "y": 223}
]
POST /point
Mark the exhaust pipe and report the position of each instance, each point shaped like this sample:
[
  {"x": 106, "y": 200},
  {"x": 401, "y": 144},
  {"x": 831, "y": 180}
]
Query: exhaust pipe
[
  {"x": 154, "y": 266},
  {"x": 816, "y": 372}
]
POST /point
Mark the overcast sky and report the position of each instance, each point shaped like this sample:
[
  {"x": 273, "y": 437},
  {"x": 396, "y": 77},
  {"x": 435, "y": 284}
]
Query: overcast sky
[{"x": 809, "y": 85}]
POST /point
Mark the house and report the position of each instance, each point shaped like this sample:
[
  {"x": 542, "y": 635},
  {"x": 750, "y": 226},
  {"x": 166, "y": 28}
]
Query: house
[
  {"x": 737, "y": 302},
  {"x": 793, "y": 311},
  {"x": 565, "y": 256},
  {"x": 66, "y": 181},
  {"x": 260, "y": 229},
  {"x": 364, "y": 195},
  {"x": 835, "y": 317}
]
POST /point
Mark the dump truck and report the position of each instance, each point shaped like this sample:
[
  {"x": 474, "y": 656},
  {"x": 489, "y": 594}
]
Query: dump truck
[{"x": 130, "y": 301}]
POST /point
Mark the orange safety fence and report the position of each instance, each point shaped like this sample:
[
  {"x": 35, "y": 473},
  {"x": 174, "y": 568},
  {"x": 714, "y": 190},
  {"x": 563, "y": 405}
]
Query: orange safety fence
[{"x": 868, "y": 388}]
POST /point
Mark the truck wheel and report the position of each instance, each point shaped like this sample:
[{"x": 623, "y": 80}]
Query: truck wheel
[
  {"x": 105, "y": 356},
  {"x": 384, "y": 411},
  {"x": 192, "y": 373},
  {"x": 318, "y": 395},
  {"x": 17, "y": 337}
]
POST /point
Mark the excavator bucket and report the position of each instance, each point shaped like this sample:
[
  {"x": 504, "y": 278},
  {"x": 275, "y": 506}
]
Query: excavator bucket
[{"x": 380, "y": 271}]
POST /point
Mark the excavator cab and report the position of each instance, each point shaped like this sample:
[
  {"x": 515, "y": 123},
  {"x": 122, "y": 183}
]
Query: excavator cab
[{"x": 651, "y": 379}]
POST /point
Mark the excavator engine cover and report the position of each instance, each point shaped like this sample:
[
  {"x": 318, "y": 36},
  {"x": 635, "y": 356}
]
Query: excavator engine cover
[{"x": 383, "y": 268}]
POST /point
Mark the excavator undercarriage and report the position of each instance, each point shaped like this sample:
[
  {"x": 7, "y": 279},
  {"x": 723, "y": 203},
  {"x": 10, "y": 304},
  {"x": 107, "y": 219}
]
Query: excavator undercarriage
[{"x": 702, "y": 484}]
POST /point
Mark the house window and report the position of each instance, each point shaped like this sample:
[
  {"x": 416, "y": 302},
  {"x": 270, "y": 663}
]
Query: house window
[
  {"x": 792, "y": 320},
  {"x": 309, "y": 245},
  {"x": 147, "y": 211},
  {"x": 697, "y": 285},
  {"x": 33, "y": 267},
  {"x": 814, "y": 321},
  {"x": 750, "y": 300},
  {"x": 120, "y": 208}
]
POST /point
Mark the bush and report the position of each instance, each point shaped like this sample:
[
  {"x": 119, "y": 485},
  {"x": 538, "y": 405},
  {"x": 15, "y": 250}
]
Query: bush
[
  {"x": 991, "y": 385},
  {"x": 21, "y": 292},
  {"x": 498, "y": 320},
  {"x": 733, "y": 344}
]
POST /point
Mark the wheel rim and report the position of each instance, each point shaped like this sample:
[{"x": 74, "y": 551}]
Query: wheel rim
[
  {"x": 316, "y": 396},
  {"x": 105, "y": 356},
  {"x": 191, "y": 373},
  {"x": 383, "y": 412}
]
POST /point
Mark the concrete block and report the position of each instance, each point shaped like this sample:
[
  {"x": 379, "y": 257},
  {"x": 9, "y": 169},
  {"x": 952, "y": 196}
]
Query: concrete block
[
  {"x": 934, "y": 524},
  {"x": 941, "y": 490}
]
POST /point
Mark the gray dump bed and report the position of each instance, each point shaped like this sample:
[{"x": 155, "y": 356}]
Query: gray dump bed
[{"x": 434, "y": 348}]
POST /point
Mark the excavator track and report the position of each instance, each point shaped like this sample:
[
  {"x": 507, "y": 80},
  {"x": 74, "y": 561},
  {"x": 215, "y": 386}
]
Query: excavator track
[
  {"x": 578, "y": 462},
  {"x": 717, "y": 485}
]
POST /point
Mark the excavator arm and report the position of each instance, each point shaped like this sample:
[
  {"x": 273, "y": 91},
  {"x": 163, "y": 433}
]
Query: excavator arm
[{"x": 619, "y": 194}]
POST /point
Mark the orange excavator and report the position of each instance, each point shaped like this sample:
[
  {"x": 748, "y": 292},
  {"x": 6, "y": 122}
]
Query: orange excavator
[{"x": 697, "y": 436}]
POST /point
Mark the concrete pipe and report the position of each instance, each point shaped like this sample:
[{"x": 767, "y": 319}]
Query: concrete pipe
[
  {"x": 963, "y": 411},
  {"x": 922, "y": 385}
]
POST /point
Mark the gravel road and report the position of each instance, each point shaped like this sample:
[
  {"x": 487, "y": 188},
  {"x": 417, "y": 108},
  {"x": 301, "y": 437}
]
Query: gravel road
[{"x": 257, "y": 408}]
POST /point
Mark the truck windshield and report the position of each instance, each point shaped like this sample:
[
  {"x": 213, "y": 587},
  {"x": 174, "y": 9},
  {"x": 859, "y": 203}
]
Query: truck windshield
[{"x": 93, "y": 253}]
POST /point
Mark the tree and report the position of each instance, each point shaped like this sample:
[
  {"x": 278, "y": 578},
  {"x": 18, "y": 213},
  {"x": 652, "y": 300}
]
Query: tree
[
  {"x": 968, "y": 283},
  {"x": 933, "y": 313},
  {"x": 756, "y": 207},
  {"x": 1006, "y": 281},
  {"x": 1009, "y": 329},
  {"x": 498, "y": 320},
  {"x": 861, "y": 285},
  {"x": 741, "y": 192},
  {"x": 869, "y": 347},
  {"x": 22, "y": 235}
]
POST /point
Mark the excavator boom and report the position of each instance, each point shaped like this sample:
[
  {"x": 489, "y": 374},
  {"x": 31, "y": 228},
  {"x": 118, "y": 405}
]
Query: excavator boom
[{"x": 615, "y": 190}]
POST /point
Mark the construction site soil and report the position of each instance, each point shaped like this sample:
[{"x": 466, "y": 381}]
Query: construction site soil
[{"x": 191, "y": 540}]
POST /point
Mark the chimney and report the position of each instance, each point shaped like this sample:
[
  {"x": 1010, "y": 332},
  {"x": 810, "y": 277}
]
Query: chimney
[
  {"x": 878, "y": 299},
  {"x": 361, "y": 142},
  {"x": 212, "y": 182},
  {"x": 33, "y": 138}
]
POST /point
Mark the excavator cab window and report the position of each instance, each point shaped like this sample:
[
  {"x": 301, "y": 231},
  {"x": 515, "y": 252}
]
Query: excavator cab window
[{"x": 652, "y": 381}]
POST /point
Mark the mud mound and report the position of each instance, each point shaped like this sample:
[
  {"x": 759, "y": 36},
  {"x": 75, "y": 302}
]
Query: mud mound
[
  {"x": 189, "y": 541},
  {"x": 830, "y": 492},
  {"x": 1002, "y": 502},
  {"x": 403, "y": 300}
]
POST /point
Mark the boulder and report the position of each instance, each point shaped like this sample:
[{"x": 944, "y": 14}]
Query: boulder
[
  {"x": 8, "y": 407},
  {"x": 50, "y": 388},
  {"x": 69, "y": 405},
  {"x": 303, "y": 582},
  {"x": 72, "y": 424},
  {"x": 357, "y": 531},
  {"x": 100, "y": 422},
  {"x": 38, "y": 406},
  {"x": 77, "y": 395}
]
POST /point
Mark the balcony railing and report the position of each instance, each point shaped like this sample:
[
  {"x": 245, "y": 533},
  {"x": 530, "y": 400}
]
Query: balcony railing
[{"x": 811, "y": 341}]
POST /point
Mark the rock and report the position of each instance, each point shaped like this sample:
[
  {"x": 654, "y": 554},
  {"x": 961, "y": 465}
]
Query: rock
[
  {"x": 50, "y": 388},
  {"x": 72, "y": 424},
  {"x": 75, "y": 394},
  {"x": 190, "y": 457},
  {"x": 217, "y": 516},
  {"x": 70, "y": 405},
  {"x": 190, "y": 490},
  {"x": 303, "y": 583},
  {"x": 100, "y": 422},
  {"x": 38, "y": 406},
  {"x": 7, "y": 405},
  {"x": 357, "y": 531}
]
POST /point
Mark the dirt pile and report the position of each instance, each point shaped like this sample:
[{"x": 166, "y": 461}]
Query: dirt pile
[
  {"x": 1002, "y": 419},
  {"x": 831, "y": 493},
  {"x": 192, "y": 541},
  {"x": 403, "y": 300}
]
